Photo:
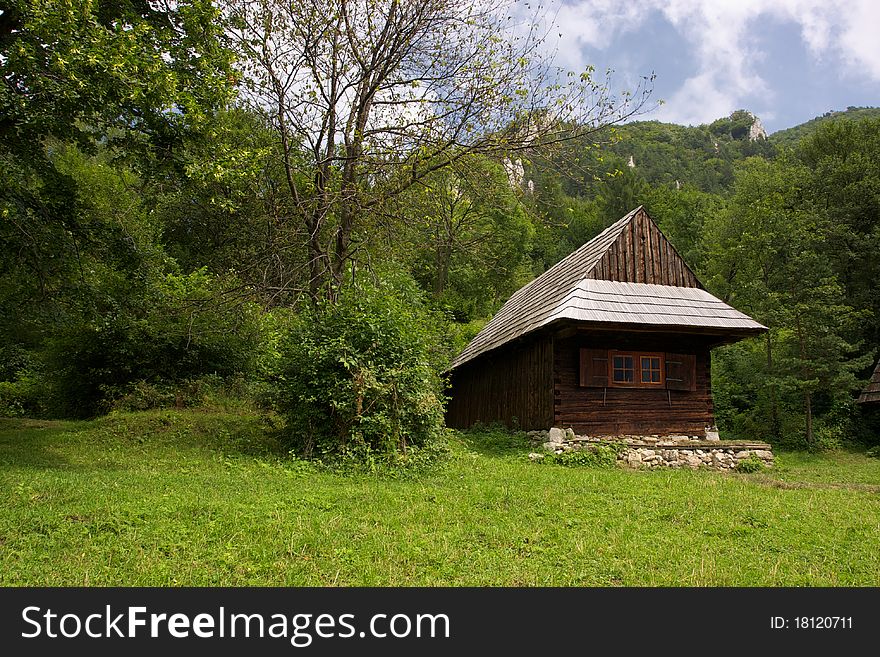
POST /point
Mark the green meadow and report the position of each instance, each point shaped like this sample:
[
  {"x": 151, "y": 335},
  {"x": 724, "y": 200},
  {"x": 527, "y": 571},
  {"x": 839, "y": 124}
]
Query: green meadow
[{"x": 193, "y": 498}]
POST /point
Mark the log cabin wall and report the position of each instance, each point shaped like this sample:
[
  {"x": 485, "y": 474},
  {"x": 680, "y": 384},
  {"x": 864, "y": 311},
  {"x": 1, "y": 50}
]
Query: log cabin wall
[
  {"x": 512, "y": 385},
  {"x": 631, "y": 411}
]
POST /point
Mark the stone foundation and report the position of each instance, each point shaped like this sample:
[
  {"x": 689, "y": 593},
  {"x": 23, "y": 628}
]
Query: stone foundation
[{"x": 659, "y": 451}]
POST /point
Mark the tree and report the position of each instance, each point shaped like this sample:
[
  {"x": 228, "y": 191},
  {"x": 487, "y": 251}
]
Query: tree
[
  {"x": 229, "y": 210},
  {"x": 620, "y": 193},
  {"x": 77, "y": 69},
  {"x": 468, "y": 234},
  {"x": 380, "y": 94},
  {"x": 681, "y": 213},
  {"x": 97, "y": 100},
  {"x": 768, "y": 256},
  {"x": 134, "y": 73},
  {"x": 843, "y": 158}
]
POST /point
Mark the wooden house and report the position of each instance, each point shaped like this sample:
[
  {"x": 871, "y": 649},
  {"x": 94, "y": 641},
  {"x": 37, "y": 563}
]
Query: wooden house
[
  {"x": 871, "y": 393},
  {"x": 615, "y": 339}
]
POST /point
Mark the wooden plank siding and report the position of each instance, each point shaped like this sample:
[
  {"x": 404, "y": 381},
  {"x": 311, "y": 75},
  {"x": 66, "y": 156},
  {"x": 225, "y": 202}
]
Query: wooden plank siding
[
  {"x": 512, "y": 385},
  {"x": 638, "y": 411},
  {"x": 871, "y": 393},
  {"x": 642, "y": 254}
]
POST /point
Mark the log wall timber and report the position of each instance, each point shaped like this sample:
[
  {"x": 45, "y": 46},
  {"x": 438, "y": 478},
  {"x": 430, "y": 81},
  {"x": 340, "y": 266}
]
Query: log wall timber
[
  {"x": 620, "y": 411},
  {"x": 512, "y": 385},
  {"x": 641, "y": 254}
]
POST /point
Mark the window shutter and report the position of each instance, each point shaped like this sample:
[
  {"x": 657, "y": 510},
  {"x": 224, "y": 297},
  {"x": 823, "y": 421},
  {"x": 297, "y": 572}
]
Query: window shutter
[
  {"x": 681, "y": 372},
  {"x": 594, "y": 368}
]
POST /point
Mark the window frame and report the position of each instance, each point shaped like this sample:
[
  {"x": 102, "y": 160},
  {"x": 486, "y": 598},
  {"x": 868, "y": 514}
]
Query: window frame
[
  {"x": 661, "y": 382},
  {"x": 614, "y": 353},
  {"x": 637, "y": 357}
]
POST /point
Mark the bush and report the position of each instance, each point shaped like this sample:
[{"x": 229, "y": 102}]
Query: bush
[
  {"x": 22, "y": 384},
  {"x": 210, "y": 391},
  {"x": 598, "y": 456},
  {"x": 174, "y": 329},
  {"x": 749, "y": 465},
  {"x": 360, "y": 376},
  {"x": 23, "y": 397}
]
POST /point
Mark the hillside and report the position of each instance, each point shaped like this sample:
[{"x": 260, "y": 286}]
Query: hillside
[
  {"x": 658, "y": 154},
  {"x": 791, "y": 136},
  {"x": 701, "y": 156}
]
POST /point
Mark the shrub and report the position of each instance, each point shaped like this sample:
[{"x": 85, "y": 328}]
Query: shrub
[
  {"x": 22, "y": 383},
  {"x": 23, "y": 396},
  {"x": 174, "y": 329},
  {"x": 749, "y": 465},
  {"x": 209, "y": 391},
  {"x": 597, "y": 456},
  {"x": 360, "y": 376}
]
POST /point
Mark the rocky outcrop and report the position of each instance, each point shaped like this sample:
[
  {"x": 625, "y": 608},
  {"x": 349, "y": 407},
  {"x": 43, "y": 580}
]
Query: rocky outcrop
[{"x": 757, "y": 131}]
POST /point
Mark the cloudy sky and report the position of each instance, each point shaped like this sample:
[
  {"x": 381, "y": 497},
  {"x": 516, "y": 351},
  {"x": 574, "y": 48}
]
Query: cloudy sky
[{"x": 785, "y": 60}]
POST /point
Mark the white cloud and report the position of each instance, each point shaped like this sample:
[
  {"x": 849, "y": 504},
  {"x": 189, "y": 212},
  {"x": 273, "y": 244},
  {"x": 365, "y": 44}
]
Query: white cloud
[
  {"x": 718, "y": 34},
  {"x": 858, "y": 41}
]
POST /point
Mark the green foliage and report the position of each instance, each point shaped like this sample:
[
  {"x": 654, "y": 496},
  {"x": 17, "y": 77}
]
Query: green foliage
[
  {"x": 228, "y": 211},
  {"x": 467, "y": 235},
  {"x": 843, "y": 160},
  {"x": 749, "y": 465},
  {"x": 597, "y": 456},
  {"x": 564, "y": 223},
  {"x": 769, "y": 257},
  {"x": 791, "y": 137},
  {"x": 736, "y": 126},
  {"x": 174, "y": 330},
  {"x": 22, "y": 384},
  {"x": 206, "y": 392},
  {"x": 136, "y": 75},
  {"x": 24, "y": 396},
  {"x": 360, "y": 376},
  {"x": 77, "y": 69},
  {"x": 681, "y": 214},
  {"x": 620, "y": 193}
]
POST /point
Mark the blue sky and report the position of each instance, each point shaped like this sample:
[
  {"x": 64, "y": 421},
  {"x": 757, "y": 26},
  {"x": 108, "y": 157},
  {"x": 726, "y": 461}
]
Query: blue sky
[{"x": 785, "y": 60}]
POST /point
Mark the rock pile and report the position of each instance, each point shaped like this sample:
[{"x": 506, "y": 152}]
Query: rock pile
[{"x": 660, "y": 451}]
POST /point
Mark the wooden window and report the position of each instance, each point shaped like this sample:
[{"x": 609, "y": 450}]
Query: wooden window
[
  {"x": 651, "y": 369},
  {"x": 636, "y": 369},
  {"x": 602, "y": 368},
  {"x": 623, "y": 369}
]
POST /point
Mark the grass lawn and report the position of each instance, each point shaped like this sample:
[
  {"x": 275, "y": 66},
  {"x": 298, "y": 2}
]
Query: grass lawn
[{"x": 200, "y": 498}]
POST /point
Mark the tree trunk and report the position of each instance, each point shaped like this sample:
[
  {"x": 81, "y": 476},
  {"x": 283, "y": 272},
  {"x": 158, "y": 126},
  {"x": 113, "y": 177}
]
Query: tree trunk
[{"x": 441, "y": 273}]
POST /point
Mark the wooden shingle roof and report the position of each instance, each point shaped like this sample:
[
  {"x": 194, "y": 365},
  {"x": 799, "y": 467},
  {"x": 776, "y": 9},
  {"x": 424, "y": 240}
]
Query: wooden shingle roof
[
  {"x": 613, "y": 279},
  {"x": 871, "y": 393}
]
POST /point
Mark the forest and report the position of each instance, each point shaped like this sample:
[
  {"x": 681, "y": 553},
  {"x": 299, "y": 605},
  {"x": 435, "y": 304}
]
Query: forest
[{"x": 312, "y": 207}]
